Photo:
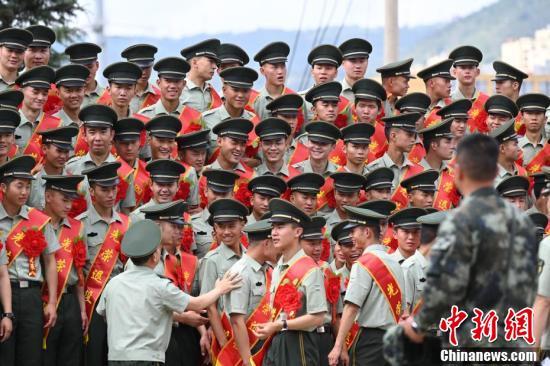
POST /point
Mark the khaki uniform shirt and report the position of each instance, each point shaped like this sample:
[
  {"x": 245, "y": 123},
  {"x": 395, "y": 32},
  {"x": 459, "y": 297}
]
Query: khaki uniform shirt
[
  {"x": 530, "y": 149},
  {"x": 347, "y": 91},
  {"x": 195, "y": 97},
  {"x": 203, "y": 232},
  {"x": 414, "y": 269},
  {"x": 210, "y": 118},
  {"x": 386, "y": 161},
  {"x": 93, "y": 96},
  {"x": 245, "y": 299},
  {"x": 137, "y": 100}
]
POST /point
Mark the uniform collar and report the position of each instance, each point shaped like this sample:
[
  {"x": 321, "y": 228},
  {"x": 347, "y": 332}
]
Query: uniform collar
[
  {"x": 524, "y": 141},
  {"x": 97, "y": 91},
  {"x": 345, "y": 85},
  {"x": 191, "y": 85},
  {"x": 95, "y": 217},
  {"x": 159, "y": 108},
  {"x": 457, "y": 94},
  {"x": 257, "y": 267},
  {"x": 375, "y": 247},
  {"x": 390, "y": 163},
  {"x": 25, "y": 121},
  {"x": 227, "y": 253},
  {"x": 88, "y": 158},
  {"x": 23, "y": 212},
  {"x": 216, "y": 165},
  {"x": 502, "y": 173},
  {"x": 296, "y": 256},
  {"x": 331, "y": 168},
  {"x": 262, "y": 170}
]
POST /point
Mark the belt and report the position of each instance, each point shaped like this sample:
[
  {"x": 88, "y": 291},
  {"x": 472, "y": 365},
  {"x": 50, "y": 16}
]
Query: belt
[
  {"x": 25, "y": 284},
  {"x": 325, "y": 328},
  {"x": 69, "y": 290}
]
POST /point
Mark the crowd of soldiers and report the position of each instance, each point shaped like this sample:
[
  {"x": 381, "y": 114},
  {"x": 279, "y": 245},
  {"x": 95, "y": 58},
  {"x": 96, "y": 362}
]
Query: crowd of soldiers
[{"x": 281, "y": 227}]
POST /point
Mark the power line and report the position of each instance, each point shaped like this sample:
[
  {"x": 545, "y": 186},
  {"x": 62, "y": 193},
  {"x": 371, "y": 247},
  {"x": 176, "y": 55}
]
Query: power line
[
  {"x": 339, "y": 31},
  {"x": 334, "y": 4},
  {"x": 296, "y": 39}
]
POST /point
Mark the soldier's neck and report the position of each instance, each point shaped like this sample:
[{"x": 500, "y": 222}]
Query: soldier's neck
[
  {"x": 291, "y": 251},
  {"x": 506, "y": 164},
  {"x": 4, "y": 158},
  {"x": 170, "y": 105},
  {"x": 99, "y": 159},
  {"x": 319, "y": 166},
  {"x": 198, "y": 81},
  {"x": 256, "y": 252},
  {"x": 468, "y": 91},
  {"x": 169, "y": 248},
  {"x": 434, "y": 161},
  {"x": 11, "y": 208},
  {"x": 30, "y": 114},
  {"x": 51, "y": 170},
  {"x": 355, "y": 168},
  {"x": 141, "y": 87},
  {"x": 233, "y": 112},
  {"x": 55, "y": 219},
  {"x": 8, "y": 76},
  {"x": 225, "y": 164},
  {"x": 121, "y": 111},
  {"x": 534, "y": 137},
  {"x": 434, "y": 98},
  {"x": 274, "y": 167},
  {"x": 106, "y": 213},
  {"x": 341, "y": 212},
  {"x": 396, "y": 155},
  {"x": 274, "y": 90},
  {"x": 72, "y": 113},
  {"x": 351, "y": 80},
  {"x": 91, "y": 86}
]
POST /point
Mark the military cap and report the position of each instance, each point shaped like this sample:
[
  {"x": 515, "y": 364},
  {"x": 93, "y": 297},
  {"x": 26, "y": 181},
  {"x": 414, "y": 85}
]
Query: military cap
[
  {"x": 284, "y": 211},
  {"x": 15, "y": 38},
  {"x": 193, "y": 140},
  {"x": 329, "y": 91},
  {"x": 9, "y": 120},
  {"x": 208, "y": 48},
  {"x": 164, "y": 126},
  {"x": 423, "y": 181},
  {"x": 383, "y": 207},
  {"x": 71, "y": 75},
  {"x": 341, "y": 233},
  {"x": 404, "y": 121},
  {"x": 141, "y": 54},
  {"x": 18, "y": 167},
  {"x": 325, "y": 54},
  {"x": 369, "y": 89},
  {"x": 260, "y": 230},
  {"x": 236, "y": 128},
  {"x": 62, "y": 137},
  {"x": 379, "y": 178},
  {"x": 273, "y": 129},
  {"x": 221, "y": 181},
  {"x": 230, "y": 53},
  {"x": 286, "y": 104},
  {"x": 513, "y": 186},
  {"x": 122, "y": 73},
  {"x": 66, "y": 184},
  {"x": 439, "y": 129},
  {"x": 40, "y": 77},
  {"x": 42, "y": 36},
  {"x": 362, "y": 217},
  {"x": 433, "y": 219},
  {"x": 239, "y": 77},
  {"x": 504, "y": 132},
  {"x": 273, "y": 53},
  {"x": 539, "y": 219},
  {"x": 169, "y": 211},
  {"x": 535, "y": 102},
  {"x": 11, "y": 99},
  {"x": 98, "y": 115},
  {"x": 358, "y": 133},
  {"x": 227, "y": 209},
  {"x": 165, "y": 170},
  {"x": 172, "y": 68},
  {"x": 398, "y": 68},
  {"x": 466, "y": 55},
  {"x": 355, "y": 47},
  {"x": 322, "y": 132},
  {"x": 83, "y": 53},
  {"x": 413, "y": 102},
  {"x": 504, "y": 71},
  {"x": 104, "y": 175},
  {"x": 347, "y": 182},
  {"x": 313, "y": 230},
  {"x": 439, "y": 70},
  {"x": 306, "y": 183},
  {"x": 141, "y": 239},
  {"x": 541, "y": 183},
  {"x": 267, "y": 185},
  {"x": 406, "y": 218},
  {"x": 457, "y": 109},
  {"x": 500, "y": 104},
  {"x": 128, "y": 129}
]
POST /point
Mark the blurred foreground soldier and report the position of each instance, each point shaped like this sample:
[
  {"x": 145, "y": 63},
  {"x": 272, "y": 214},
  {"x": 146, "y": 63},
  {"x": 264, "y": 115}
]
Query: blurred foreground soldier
[
  {"x": 540, "y": 221},
  {"x": 541, "y": 306},
  {"x": 133, "y": 338},
  {"x": 487, "y": 236}
]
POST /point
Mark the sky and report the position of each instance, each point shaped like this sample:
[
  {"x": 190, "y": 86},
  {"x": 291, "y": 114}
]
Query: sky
[{"x": 183, "y": 18}]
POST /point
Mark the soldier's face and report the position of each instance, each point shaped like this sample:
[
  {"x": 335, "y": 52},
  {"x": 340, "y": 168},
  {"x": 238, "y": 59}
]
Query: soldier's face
[
  {"x": 458, "y": 127},
  {"x": 510, "y": 150},
  {"x": 122, "y": 94},
  {"x": 58, "y": 202},
  {"x": 325, "y": 110},
  {"x": 260, "y": 203},
  {"x": 37, "y": 56},
  {"x": 212, "y": 196},
  {"x": 34, "y": 98},
  {"x": 236, "y": 97},
  {"x": 350, "y": 253},
  {"x": 285, "y": 234},
  {"x": 494, "y": 120},
  {"x": 345, "y": 199},
  {"x": 534, "y": 120},
  {"x": 145, "y": 75},
  {"x": 54, "y": 156},
  {"x": 6, "y": 141},
  {"x": 399, "y": 85},
  {"x": 161, "y": 147},
  {"x": 378, "y": 194},
  {"x": 403, "y": 140},
  {"x": 170, "y": 89},
  {"x": 441, "y": 87},
  {"x": 11, "y": 58},
  {"x": 465, "y": 74},
  {"x": 359, "y": 235},
  {"x": 275, "y": 74},
  {"x": 99, "y": 139},
  {"x": 421, "y": 199},
  {"x": 519, "y": 201},
  {"x": 290, "y": 118},
  {"x": 366, "y": 110},
  {"x": 355, "y": 67},
  {"x": 312, "y": 248},
  {"x": 71, "y": 97},
  {"x": 273, "y": 150},
  {"x": 323, "y": 73},
  {"x": 507, "y": 88},
  {"x": 164, "y": 192},
  {"x": 16, "y": 192},
  {"x": 356, "y": 153},
  {"x": 170, "y": 233},
  {"x": 319, "y": 150},
  {"x": 127, "y": 150},
  {"x": 229, "y": 232},
  {"x": 103, "y": 196},
  {"x": 306, "y": 202},
  {"x": 231, "y": 150},
  {"x": 408, "y": 240},
  {"x": 93, "y": 67},
  {"x": 204, "y": 67},
  {"x": 443, "y": 148},
  {"x": 195, "y": 157}
]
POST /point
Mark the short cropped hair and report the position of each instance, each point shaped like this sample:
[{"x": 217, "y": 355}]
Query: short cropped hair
[{"x": 477, "y": 157}]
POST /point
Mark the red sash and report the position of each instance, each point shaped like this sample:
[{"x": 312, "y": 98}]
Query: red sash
[
  {"x": 542, "y": 158},
  {"x": 141, "y": 183},
  {"x": 37, "y": 219},
  {"x": 105, "y": 98},
  {"x": 345, "y": 113},
  {"x": 150, "y": 98},
  {"x": 389, "y": 239},
  {"x": 300, "y": 154},
  {"x": 338, "y": 156},
  {"x": 181, "y": 275},
  {"x": 64, "y": 261},
  {"x": 190, "y": 120},
  {"x": 478, "y": 116},
  {"x": 229, "y": 354},
  {"x": 215, "y": 101},
  {"x": 400, "y": 195},
  {"x": 446, "y": 195},
  {"x": 417, "y": 153},
  {"x": 325, "y": 193},
  {"x": 254, "y": 94},
  {"x": 378, "y": 142},
  {"x": 81, "y": 147},
  {"x": 433, "y": 117},
  {"x": 104, "y": 263},
  {"x": 33, "y": 148}
]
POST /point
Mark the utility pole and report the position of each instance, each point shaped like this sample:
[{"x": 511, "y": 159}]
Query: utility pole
[
  {"x": 98, "y": 29},
  {"x": 391, "y": 31}
]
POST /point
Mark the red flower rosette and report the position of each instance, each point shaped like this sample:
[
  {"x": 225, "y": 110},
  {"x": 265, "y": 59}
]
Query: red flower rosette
[
  {"x": 78, "y": 206},
  {"x": 122, "y": 189},
  {"x": 325, "y": 254},
  {"x": 202, "y": 198},
  {"x": 79, "y": 258},
  {"x": 121, "y": 256},
  {"x": 289, "y": 299},
  {"x": 243, "y": 194},
  {"x": 33, "y": 244},
  {"x": 332, "y": 288},
  {"x": 183, "y": 191},
  {"x": 187, "y": 238}
]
